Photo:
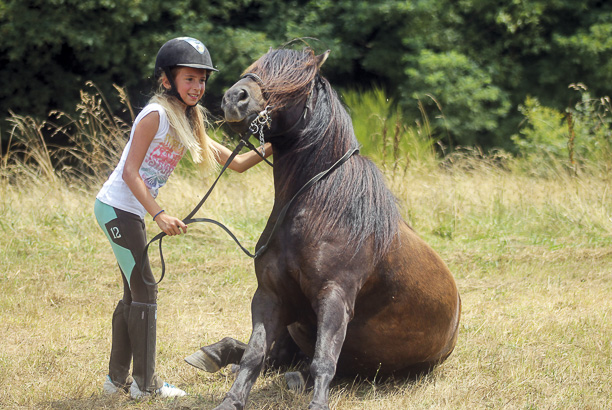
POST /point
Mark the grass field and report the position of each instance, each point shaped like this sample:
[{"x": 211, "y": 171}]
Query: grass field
[{"x": 532, "y": 257}]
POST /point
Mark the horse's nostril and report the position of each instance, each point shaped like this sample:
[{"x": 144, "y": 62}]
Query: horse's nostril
[{"x": 243, "y": 95}]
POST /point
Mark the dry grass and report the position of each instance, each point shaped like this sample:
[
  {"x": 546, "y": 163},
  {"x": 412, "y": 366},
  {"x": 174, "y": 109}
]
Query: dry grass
[{"x": 532, "y": 258}]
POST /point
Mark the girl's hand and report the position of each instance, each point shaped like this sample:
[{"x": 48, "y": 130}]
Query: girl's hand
[
  {"x": 241, "y": 162},
  {"x": 170, "y": 225}
]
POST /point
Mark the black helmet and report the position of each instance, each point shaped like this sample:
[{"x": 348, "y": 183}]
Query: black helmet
[{"x": 183, "y": 52}]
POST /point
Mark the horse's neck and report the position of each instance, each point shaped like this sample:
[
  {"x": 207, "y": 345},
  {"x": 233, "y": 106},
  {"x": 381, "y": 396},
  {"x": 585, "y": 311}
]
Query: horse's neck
[
  {"x": 292, "y": 169},
  {"x": 297, "y": 159}
]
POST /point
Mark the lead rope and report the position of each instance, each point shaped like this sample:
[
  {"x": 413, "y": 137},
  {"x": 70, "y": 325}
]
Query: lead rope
[
  {"x": 263, "y": 118},
  {"x": 187, "y": 220},
  {"x": 256, "y": 127},
  {"x": 281, "y": 216}
]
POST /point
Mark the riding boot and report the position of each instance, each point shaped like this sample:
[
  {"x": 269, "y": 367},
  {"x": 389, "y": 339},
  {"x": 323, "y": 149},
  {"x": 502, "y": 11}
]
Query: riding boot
[
  {"x": 142, "y": 327},
  {"x": 121, "y": 349},
  {"x": 213, "y": 357}
]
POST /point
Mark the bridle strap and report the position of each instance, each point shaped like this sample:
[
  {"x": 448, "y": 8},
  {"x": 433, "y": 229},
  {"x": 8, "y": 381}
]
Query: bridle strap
[
  {"x": 255, "y": 78},
  {"x": 259, "y": 82},
  {"x": 252, "y": 147}
]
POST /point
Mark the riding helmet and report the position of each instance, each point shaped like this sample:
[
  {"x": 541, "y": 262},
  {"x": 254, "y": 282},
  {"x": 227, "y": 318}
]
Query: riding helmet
[{"x": 183, "y": 52}]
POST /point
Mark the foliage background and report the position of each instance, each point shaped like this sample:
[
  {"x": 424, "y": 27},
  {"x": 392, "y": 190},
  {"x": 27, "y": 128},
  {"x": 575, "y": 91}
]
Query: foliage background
[
  {"x": 527, "y": 236},
  {"x": 476, "y": 60}
]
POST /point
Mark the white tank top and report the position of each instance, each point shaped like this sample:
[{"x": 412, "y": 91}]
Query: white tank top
[{"x": 161, "y": 158}]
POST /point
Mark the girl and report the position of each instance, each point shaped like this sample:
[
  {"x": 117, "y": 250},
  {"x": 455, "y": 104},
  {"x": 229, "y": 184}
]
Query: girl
[{"x": 165, "y": 129}]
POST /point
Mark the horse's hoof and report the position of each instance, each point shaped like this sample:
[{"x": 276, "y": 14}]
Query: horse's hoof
[
  {"x": 317, "y": 406},
  {"x": 295, "y": 381},
  {"x": 203, "y": 361},
  {"x": 229, "y": 404},
  {"x": 224, "y": 406}
]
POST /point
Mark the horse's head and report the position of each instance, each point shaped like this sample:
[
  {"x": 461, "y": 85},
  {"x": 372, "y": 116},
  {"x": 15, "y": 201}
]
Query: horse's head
[{"x": 274, "y": 90}]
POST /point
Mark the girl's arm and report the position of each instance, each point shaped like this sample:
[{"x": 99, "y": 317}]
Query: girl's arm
[
  {"x": 241, "y": 162},
  {"x": 143, "y": 135}
]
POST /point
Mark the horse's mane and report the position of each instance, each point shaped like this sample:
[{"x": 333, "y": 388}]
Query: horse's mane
[
  {"x": 354, "y": 197},
  {"x": 286, "y": 75}
]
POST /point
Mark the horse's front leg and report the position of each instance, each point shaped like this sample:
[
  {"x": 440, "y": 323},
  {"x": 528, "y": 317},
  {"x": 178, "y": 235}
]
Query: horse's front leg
[
  {"x": 267, "y": 324},
  {"x": 334, "y": 310}
]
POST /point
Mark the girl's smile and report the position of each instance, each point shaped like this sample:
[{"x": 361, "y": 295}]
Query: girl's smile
[{"x": 190, "y": 84}]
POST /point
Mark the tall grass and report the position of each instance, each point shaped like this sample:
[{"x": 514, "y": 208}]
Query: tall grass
[
  {"x": 384, "y": 134},
  {"x": 30, "y": 154},
  {"x": 531, "y": 253},
  {"x": 89, "y": 145}
]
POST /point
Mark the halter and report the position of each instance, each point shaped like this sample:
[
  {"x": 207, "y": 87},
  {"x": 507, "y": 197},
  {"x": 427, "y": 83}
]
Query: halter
[
  {"x": 257, "y": 79},
  {"x": 263, "y": 119}
]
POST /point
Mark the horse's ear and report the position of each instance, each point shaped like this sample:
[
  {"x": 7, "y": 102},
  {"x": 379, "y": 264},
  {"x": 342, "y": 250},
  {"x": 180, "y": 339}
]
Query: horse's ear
[{"x": 321, "y": 58}]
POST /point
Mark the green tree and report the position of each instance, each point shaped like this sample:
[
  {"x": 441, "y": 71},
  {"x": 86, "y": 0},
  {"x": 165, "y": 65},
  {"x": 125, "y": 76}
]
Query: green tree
[
  {"x": 460, "y": 93},
  {"x": 475, "y": 59},
  {"x": 51, "y": 48},
  {"x": 537, "y": 48}
]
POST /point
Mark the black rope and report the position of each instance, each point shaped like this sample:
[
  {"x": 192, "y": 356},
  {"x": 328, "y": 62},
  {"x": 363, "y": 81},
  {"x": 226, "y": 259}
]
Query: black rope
[
  {"x": 187, "y": 220},
  {"x": 253, "y": 148},
  {"x": 281, "y": 216}
]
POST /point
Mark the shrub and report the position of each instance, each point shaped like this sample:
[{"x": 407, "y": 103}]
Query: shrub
[{"x": 577, "y": 139}]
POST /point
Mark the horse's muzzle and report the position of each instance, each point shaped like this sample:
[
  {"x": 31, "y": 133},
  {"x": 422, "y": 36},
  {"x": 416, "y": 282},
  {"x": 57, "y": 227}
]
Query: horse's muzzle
[{"x": 241, "y": 103}]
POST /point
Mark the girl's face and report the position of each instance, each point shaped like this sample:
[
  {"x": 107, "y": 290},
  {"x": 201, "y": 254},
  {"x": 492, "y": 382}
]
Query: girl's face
[{"x": 190, "y": 84}]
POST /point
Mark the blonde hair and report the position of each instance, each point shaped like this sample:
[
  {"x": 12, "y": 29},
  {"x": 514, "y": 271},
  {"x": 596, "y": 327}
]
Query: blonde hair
[{"x": 189, "y": 127}]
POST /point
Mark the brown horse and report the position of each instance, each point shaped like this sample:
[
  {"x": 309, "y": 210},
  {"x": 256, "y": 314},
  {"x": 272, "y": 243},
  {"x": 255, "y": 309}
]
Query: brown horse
[{"x": 342, "y": 274}]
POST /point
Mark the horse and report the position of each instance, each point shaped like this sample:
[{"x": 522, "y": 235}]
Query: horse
[{"x": 340, "y": 275}]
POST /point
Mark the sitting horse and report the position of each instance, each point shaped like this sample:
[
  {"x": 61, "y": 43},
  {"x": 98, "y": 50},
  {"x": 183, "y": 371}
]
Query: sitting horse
[{"x": 339, "y": 274}]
